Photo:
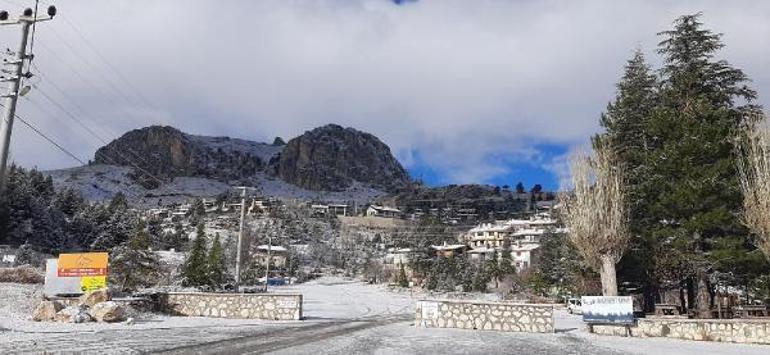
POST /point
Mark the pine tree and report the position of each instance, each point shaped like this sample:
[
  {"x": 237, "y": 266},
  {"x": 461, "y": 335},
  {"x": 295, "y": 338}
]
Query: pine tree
[
  {"x": 195, "y": 270},
  {"x": 133, "y": 264},
  {"x": 217, "y": 267},
  {"x": 626, "y": 123}
]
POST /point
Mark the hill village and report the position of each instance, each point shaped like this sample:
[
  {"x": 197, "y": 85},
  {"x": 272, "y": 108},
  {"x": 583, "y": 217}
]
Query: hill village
[{"x": 520, "y": 236}]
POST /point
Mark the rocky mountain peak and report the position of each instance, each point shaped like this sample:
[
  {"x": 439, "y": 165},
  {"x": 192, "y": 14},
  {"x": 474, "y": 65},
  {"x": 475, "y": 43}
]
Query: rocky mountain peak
[{"x": 333, "y": 158}]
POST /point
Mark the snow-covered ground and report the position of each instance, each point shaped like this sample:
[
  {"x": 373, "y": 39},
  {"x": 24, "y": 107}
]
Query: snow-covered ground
[{"x": 342, "y": 317}]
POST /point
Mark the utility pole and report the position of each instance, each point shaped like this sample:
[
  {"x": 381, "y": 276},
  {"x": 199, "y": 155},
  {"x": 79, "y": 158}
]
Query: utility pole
[
  {"x": 267, "y": 266},
  {"x": 238, "y": 248},
  {"x": 14, "y": 77}
]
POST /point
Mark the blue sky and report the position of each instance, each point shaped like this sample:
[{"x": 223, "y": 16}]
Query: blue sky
[
  {"x": 483, "y": 91},
  {"x": 545, "y": 170}
]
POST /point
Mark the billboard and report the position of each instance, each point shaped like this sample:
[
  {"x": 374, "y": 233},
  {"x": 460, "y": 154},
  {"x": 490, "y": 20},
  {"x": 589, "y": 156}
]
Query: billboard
[
  {"x": 608, "y": 309},
  {"x": 82, "y": 264},
  {"x": 76, "y": 273}
]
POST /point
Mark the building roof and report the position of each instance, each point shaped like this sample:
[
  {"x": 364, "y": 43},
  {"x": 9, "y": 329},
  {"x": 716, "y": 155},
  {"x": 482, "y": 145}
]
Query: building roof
[
  {"x": 385, "y": 208},
  {"x": 482, "y": 250},
  {"x": 448, "y": 247},
  {"x": 490, "y": 227},
  {"x": 525, "y": 247},
  {"x": 272, "y": 247},
  {"x": 529, "y": 231}
]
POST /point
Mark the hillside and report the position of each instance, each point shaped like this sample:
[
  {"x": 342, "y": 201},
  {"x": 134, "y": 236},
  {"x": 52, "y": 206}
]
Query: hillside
[{"x": 161, "y": 164}]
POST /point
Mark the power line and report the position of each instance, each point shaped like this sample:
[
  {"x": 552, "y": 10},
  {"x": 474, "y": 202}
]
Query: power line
[
  {"x": 109, "y": 65},
  {"x": 50, "y": 140}
]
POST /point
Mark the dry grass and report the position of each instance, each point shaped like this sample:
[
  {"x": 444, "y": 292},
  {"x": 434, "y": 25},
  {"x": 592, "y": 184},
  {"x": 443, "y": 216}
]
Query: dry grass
[
  {"x": 595, "y": 210},
  {"x": 754, "y": 169},
  {"x": 21, "y": 274}
]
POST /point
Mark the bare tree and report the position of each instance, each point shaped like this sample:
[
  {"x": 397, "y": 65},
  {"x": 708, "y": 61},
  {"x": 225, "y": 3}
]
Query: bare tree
[
  {"x": 596, "y": 213},
  {"x": 754, "y": 169}
]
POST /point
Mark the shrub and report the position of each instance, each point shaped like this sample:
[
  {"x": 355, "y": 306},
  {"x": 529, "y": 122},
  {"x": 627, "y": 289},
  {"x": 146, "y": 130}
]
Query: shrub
[{"x": 22, "y": 275}]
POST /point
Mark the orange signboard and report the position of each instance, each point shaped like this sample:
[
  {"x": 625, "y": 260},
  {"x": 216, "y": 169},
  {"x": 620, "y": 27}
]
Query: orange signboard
[{"x": 82, "y": 264}]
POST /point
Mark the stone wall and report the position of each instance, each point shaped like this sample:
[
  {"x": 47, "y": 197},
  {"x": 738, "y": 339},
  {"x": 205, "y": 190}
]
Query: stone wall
[
  {"x": 756, "y": 331},
  {"x": 273, "y": 306},
  {"x": 501, "y": 316}
]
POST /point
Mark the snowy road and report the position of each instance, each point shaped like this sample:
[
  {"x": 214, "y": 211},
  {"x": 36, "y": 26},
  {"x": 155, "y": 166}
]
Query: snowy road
[{"x": 342, "y": 317}]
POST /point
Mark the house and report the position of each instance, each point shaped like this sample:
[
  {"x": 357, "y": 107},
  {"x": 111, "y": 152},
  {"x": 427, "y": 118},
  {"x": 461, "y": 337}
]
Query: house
[
  {"x": 449, "y": 250},
  {"x": 481, "y": 254},
  {"x": 329, "y": 210},
  {"x": 488, "y": 235},
  {"x": 524, "y": 255},
  {"x": 398, "y": 256},
  {"x": 383, "y": 211},
  {"x": 278, "y": 255},
  {"x": 528, "y": 235}
]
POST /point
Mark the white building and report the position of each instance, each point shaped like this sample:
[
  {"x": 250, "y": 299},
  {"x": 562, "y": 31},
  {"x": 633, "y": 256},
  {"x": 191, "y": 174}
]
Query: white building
[
  {"x": 524, "y": 255},
  {"x": 488, "y": 235},
  {"x": 383, "y": 211}
]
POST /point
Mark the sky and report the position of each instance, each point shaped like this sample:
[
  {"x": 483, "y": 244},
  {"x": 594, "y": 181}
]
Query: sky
[{"x": 481, "y": 91}]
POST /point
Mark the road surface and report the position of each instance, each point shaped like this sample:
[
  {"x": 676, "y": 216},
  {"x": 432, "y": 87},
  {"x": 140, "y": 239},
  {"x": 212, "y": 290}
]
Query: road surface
[{"x": 344, "y": 317}]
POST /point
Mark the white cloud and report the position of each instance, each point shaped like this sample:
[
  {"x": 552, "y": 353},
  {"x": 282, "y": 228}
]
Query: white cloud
[{"x": 471, "y": 86}]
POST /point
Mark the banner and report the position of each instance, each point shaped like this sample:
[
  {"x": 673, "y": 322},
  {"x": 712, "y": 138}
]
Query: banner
[{"x": 608, "y": 309}]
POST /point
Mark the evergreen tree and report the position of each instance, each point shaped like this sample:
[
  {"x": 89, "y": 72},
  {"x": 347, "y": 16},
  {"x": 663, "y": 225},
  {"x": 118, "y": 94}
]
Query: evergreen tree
[
  {"x": 401, "y": 279},
  {"x": 195, "y": 270},
  {"x": 26, "y": 256},
  {"x": 626, "y": 123},
  {"x": 118, "y": 203},
  {"x": 69, "y": 201},
  {"x": 180, "y": 240},
  {"x": 133, "y": 264},
  {"x": 520, "y": 188},
  {"x": 217, "y": 267},
  {"x": 696, "y": 198}
]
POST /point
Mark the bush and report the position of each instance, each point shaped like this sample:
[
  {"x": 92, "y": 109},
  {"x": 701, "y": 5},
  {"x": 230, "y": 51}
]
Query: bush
[{"x": 22, "y": 275}]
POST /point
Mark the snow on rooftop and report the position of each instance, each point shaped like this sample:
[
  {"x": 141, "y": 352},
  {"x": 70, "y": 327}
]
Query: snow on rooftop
[
  {"x": 448, "y": 247},
  {"x": 385, "y": 208},
  {"x": 525, "y": 247},
  {"x": 272, "y": 247}
]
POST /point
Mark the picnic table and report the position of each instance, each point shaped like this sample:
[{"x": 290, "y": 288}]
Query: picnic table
[
  {"x": 749, "y": 311},
  {"x": 665, "y": 309}
]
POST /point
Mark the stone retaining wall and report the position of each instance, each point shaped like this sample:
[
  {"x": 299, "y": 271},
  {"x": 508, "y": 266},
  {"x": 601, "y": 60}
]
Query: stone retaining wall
[
  {"x": 273, "y": 306},
  {"x": 756, "y": 331},
  {"x": 501, "y": 316}
]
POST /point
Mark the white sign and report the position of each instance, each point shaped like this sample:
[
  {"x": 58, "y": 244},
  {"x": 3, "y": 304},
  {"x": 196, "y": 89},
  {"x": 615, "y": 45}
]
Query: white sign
[
  {"x": 55, "y": 285},
  {"x": 429, "y": 309},
  {"x": 287, "y": 303},
  {"x": 608, "y": 309}
]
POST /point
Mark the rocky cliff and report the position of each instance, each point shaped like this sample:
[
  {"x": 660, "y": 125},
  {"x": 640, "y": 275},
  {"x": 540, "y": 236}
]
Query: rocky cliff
[
  {"x": 329, "y": 158},
  {"x": 161, "y": 153},
  {"x": 332, "y": 158}
]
